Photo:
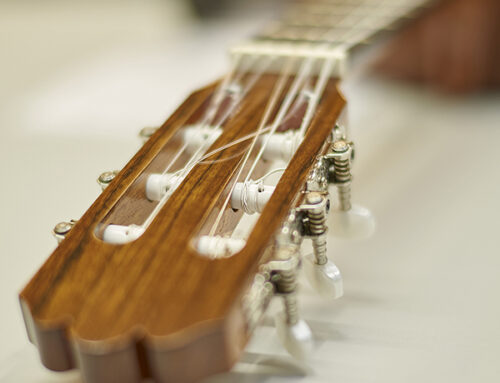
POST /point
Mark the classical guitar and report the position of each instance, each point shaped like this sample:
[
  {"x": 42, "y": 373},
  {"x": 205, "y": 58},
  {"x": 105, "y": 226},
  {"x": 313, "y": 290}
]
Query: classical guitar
[{"x": 171, "y": 269}]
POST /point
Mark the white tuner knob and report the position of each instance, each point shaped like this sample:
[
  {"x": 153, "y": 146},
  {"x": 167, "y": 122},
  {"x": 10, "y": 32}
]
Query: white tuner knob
[
  {"x": 356, "y": 223},
  {"x": 325, "y": 279},
  {"x": 296, "y": 338}
]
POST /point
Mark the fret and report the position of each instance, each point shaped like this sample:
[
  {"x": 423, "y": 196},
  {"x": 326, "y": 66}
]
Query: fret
[{"x": 337, "y": 22}]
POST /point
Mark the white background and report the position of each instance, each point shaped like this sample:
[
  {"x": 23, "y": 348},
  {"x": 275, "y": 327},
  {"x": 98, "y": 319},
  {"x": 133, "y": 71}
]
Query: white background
[{"x": 79, "y": 79}]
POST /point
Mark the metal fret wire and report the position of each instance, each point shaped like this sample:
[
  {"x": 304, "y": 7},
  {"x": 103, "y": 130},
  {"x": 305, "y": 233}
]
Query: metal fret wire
[{"x": 340, "y": 15}]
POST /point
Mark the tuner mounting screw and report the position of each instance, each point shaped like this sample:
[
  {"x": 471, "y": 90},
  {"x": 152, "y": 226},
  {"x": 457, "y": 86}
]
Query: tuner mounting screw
[
  {"x": 61, "y": 229},
  {"x": 105, "y": 178},
  {"x": 147, "y": 132},
  {"x": 340, "y": 146}
]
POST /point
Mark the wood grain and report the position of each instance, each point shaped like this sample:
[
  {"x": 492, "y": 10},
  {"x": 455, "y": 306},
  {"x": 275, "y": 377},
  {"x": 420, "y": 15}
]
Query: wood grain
[{"x": 154, "y": 307}]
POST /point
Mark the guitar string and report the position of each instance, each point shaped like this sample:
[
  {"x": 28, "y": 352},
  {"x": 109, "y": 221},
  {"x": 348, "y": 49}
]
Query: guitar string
[
  {"x": 214, "y": 107},
  {"x": 312, "y": 105},
  {"x": 255, "y": 77},
  {"x": 290, "y": 96},
  {"x": 278, "y": 89},
  {"x": 300, "y": 98},
  {"x": 395, "y": 13},
  {"x": 318, "y": 91},
  {"x": 345, "y": 40},
  {"x": 344, "y": 28},
  {"x": 224, "y": 87},
  {"x": 320, "y": 85},
  {"x": 187, "y": 168},
  {"x": 278, "y": 120}
]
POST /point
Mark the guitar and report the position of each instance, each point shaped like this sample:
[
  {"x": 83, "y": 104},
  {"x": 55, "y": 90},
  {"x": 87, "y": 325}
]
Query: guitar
[{"x": 171, "y": 269}]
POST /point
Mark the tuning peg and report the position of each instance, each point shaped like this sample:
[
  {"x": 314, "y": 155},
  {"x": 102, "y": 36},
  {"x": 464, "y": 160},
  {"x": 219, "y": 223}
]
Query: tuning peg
[
  {"x": 294, "y": 332},
  {"x": 105, "y": 178},
  {"x": 325, "y": 279},
  {"x": 147, "y": 132},
  {"x": 61, "y": 229},
  {"x": 296, "y": 337},
  {"x": 356, "y": 223},
  {"x": 347, "y": 220}
]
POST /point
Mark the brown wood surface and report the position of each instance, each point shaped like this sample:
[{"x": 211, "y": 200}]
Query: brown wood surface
[{"x": 154, "y": 307}]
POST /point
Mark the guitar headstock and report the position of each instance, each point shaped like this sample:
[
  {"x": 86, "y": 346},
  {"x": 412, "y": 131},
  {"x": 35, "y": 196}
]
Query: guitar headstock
[{"x": 170, "y": 270}]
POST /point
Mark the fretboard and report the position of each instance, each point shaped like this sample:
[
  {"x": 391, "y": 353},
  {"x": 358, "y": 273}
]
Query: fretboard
[{"x": 328, "y": 28}]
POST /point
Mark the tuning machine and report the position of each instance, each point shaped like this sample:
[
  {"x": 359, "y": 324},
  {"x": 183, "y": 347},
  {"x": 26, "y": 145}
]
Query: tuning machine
[
  {"x": 347, "y": 220},
  {"x": 322, "y": 273},
  {"x": 293, "y": 332}
]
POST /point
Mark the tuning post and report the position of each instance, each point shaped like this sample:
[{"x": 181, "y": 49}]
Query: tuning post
[
  {"x": 323, "y": 274},
  {"x": 146, "y": 133},
  {"x": 294, "y": 333},
  {"x": 62, "y": 229},
  {"x": 105, "y": 178}
]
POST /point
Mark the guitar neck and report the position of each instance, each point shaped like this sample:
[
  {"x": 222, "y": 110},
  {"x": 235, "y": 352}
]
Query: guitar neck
[{"x": 326, "y": 28}]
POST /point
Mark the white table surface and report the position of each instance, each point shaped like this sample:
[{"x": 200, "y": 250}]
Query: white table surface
[{"x": 421, "y": 297}]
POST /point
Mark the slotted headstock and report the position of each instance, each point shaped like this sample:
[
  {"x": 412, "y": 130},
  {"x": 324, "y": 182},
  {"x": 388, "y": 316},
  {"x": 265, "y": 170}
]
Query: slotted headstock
[
  {"x": 157, "y": 304},
  {"x": 170, "y": 270}
]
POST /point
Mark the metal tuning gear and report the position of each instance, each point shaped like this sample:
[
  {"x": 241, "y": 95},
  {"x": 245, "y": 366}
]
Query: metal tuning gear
[
  {"x": 293, "y": 332},
  {"x": 347, "y": 220}
]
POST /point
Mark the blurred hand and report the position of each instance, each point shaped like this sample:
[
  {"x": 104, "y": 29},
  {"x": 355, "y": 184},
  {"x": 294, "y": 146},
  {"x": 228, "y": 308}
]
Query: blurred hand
[{"x": 454, "y": 46}]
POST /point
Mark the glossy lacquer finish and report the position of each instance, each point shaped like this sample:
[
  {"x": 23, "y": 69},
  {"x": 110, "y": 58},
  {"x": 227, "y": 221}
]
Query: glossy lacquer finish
[{"x": 154, "y": 307}]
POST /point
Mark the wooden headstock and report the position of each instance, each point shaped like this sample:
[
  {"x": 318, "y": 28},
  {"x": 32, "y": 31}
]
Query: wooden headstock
[
  {"x": 158, "y": 279},
  {"x": 154, "y": 306}
]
